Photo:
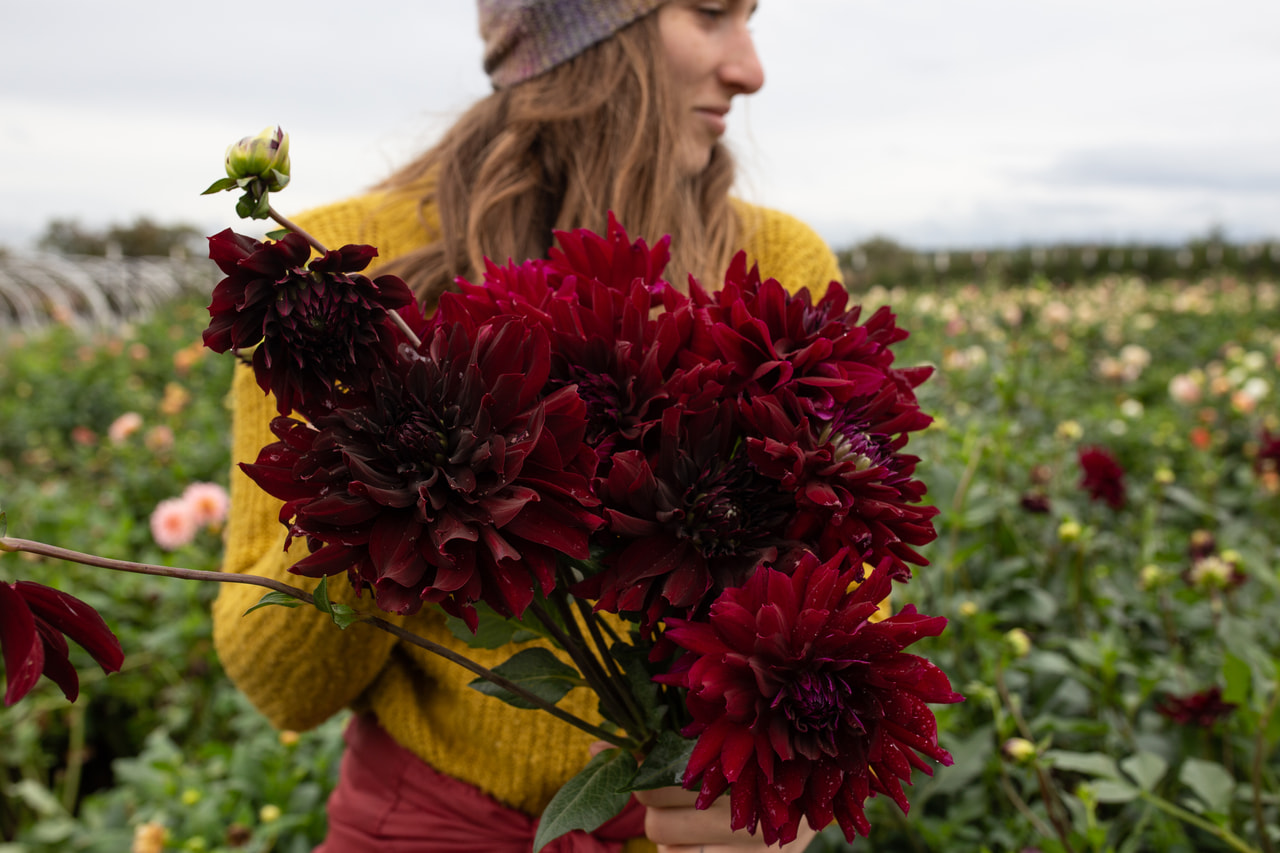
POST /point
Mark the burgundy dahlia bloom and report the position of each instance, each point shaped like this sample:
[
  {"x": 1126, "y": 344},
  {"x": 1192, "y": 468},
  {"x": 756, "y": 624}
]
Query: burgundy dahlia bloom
[
  {"x": 692, "y": 518},
  {"x": 317, "y": 325},
  {"x": 802, "y": 706},
  {"x": 1202, "y": 709},
  {"x": 456, "y": 481},
  {"x": 818, "y": 351},
  {"x": 35, "y": 622},
  {"x": 853, "y": 489},
  {"x": 1101, "y": 476}
]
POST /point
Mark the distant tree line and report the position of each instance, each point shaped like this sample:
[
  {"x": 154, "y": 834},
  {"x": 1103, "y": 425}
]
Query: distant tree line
[
  {"x": 143, "y": 238},
  {"x": 887, "y": 263}
]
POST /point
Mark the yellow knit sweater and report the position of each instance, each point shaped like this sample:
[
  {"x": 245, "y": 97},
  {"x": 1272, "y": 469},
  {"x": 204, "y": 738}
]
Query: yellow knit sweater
[{"x": 299, "y": 669}]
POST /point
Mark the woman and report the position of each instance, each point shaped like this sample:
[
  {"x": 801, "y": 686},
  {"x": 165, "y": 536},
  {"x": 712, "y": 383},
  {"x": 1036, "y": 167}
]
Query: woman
[{"x": 598, "y": 105}]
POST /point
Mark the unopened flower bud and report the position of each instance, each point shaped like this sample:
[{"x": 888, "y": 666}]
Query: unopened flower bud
[
  {"x": 968, "y": 608},
  {"x": 264, "y": 156},
  {"x": 269, "y": 813},
  {"x": 1164, "y": 476},
  {"x": 1019, "y": 750},
  {"x": 190, "y": 797},
  {"x": 1069, "y": 530},
  {"x": 289, "y": 737},
  {"x": 1018, "y": 642},
  {"x": 1150, "y": 576}
]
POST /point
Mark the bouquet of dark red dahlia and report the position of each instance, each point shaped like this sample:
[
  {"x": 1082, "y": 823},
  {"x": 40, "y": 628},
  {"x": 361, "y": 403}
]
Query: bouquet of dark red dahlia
[{"x": 701, "y": 498}]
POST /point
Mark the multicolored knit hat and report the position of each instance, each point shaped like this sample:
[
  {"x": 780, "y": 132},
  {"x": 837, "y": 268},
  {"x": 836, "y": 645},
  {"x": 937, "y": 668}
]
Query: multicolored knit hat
[{"x": 523, "y": 38}]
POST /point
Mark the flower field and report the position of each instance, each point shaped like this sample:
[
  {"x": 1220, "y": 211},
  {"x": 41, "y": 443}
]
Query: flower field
[{"x": 1105, "y": 459}]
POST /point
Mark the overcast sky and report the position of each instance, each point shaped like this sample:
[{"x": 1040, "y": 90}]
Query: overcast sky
[{"x": 939, "y": 123}]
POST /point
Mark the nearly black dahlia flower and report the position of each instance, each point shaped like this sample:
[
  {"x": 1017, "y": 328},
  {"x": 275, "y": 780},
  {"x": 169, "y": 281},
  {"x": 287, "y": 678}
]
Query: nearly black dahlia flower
[
  {"x": 689, "y": 519},
  {"x": 321, "y": 325},
  {"x": 1202, "y": 709},
  {"x": 33, "y": 621},
  {"x": 1101, "y": 476},
  {"x": 803, "y": 706},
  {"x": 456, "y": 481}
]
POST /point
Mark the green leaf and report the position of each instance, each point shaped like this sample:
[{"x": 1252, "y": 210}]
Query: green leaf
[
  {"x": 220, "y": 185},
  {"x": 493, "y": 631},
  {"x": 635, "y": 666},
  {"x": 536, "y": 670},
  {"x": 665, "y": 764},
  {"x": 1088, "y": 763},
  {"x": 1210, "y": 782},
  {"x": 282, "y": 599},
  {"x": 342, "y": 615},
  {"x": 1238, "y": 676},
  {"x": 4, "y": 524},
  {"x": 1113, "y": 791},
  {"x": 1145, "y": 768},
  {"x": 588, "y": 799}
]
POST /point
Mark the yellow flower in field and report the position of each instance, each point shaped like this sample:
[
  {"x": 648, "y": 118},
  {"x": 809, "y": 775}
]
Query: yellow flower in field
[
  {"x": 149, "y": 837},
  {"x": 968, "y": 608},
  {"x": 1019, "y": 750},
  {"x": 1070, "y": 430},
  {"x": 269, "y": 813},
  {"x": 289, "y": 737},
  {"x": 1070, "y": 530},
  {"x": 1164, "y": 476},
  {"x": 1150, "y": 577},
  {"x": 190, "y": 797}
]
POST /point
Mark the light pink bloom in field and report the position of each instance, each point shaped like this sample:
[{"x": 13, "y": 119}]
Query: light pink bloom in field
[
  {"x": 208, "y": 501},
  {"x": 159, "y": 438},
  {"x": 123, "y": 427},
  {"x": 173, "y": 523},
  {"x": 1187, "y": 388}
]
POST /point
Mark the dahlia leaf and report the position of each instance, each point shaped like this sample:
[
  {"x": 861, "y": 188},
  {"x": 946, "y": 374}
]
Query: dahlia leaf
[
  {"x": 277, "y": 598},
  {"x": 493, "y": 632},
  {"x": 536, "y": 670},
  {"x": 640, "y": 684},
  {"x": 665, "y": 764},
  {"x": 589, "y": 799},
  {"x": 1145, "y": 768},
  {"x": 342, "y": 615}
]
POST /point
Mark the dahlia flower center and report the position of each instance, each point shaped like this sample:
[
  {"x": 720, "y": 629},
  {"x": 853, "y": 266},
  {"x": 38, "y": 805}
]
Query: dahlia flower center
[
  {"x": 603, "y": 397},
  {"x": 420, "y": 441},
  {"x": 850, "y": 445},
  {"x": 816, "y": 703},
  {"x": 726, "y": 512}
]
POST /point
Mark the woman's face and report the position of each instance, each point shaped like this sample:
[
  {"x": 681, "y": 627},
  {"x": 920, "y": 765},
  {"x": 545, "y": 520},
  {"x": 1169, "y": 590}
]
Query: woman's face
[{"x": 711, "y": 56}]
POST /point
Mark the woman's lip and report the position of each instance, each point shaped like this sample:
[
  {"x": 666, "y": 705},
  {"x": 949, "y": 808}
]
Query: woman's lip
[{"x": 713, "y": 117}]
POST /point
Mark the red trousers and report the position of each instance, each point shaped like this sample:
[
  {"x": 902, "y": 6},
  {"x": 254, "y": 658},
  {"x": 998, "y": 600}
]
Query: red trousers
[{"x": 390, "y": 801}]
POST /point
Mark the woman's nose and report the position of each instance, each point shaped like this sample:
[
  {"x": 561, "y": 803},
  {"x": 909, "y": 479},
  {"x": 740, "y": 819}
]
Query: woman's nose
[{"x": 741, "y": 69}]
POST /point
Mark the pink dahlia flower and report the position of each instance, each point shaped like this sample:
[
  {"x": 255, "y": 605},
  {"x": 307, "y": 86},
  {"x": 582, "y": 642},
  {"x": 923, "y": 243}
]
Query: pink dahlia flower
[
  {"x": 209, "y": 503},
  {"x": 174, "y": 523}
]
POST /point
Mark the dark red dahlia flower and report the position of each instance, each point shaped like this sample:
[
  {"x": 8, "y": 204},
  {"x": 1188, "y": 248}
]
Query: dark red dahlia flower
[
  {"x": 1268, "y": 459},
  {"x": 320, "y": 325},
  {"x": 853, "y": 489},
  {"x": 1202, "y": 709},
  {"x": 1102, "y": 477},
  {"x": 456, "y": 482},
  {"x": 597, "y": 298},
  {"x": 35, "y": 622},
  {"x": 801, "y": 705},
  {"x": 692, "y": 518},
  {"x": 819, "y": 352}
]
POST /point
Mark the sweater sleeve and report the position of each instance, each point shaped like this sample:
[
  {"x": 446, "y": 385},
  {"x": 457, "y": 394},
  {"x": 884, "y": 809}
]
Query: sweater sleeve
[
  {"x": 787, "y": 249},
  {"x": 294, "y": 664}
]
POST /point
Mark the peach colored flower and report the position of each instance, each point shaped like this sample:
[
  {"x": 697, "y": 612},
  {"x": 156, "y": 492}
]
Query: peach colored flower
[
  {"x": 176, "y": 398},
  {"x": 173, "y": 523},
  {"x": 159, "y": 438},
  {"x": 123, "y": 427},
  {"x": 208, "y": 501}
]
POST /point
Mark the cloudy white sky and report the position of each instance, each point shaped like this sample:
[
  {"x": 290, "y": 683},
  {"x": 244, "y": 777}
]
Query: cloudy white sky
[{"x": 940, "y": 123}]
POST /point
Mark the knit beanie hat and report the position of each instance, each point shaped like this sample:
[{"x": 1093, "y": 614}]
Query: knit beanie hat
[{"x": 523, "y": 38}]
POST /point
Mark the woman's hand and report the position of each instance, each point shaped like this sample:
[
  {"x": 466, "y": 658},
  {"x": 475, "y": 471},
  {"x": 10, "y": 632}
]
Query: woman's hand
[{"x": 676, "y": 826}]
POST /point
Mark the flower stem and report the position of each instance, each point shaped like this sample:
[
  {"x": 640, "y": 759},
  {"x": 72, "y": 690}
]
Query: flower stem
[
  {"x": 1227, "y": 836},
  {"x": 1255, "y": 775},
  {"x": 581, "y": 655},
  {"x": 53, "y": 551},
  {"x": 289, "y": 225}
]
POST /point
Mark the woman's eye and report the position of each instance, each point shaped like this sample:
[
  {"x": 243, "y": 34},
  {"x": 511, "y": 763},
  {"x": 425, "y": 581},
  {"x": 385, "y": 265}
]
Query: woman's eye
[{"x": 711, "y": 11}]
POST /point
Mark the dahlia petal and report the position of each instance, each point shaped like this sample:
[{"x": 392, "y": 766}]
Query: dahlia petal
[
  {"x": 743, "y": 801},
  {"x": 23, "y": 651},
  {"x": 80, "y": 622},
  {"x": 705, "y": 752},
  {"x": 57, "y": 666},
  {"x": 739, "y": 745}
]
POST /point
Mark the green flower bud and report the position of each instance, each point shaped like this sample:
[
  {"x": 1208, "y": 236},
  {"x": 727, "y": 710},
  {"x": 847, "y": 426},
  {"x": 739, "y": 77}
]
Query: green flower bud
[
  {"x": 265, "y": 156},
  {"x": 1069, "y": 530},
  {"x": 1018, "y": 642},
  {"x": 1019, "y": 750}
]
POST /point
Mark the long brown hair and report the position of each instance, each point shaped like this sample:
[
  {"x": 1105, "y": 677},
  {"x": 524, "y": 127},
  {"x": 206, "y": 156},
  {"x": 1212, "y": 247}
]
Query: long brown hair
[{"x": 560, "y": 151}]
